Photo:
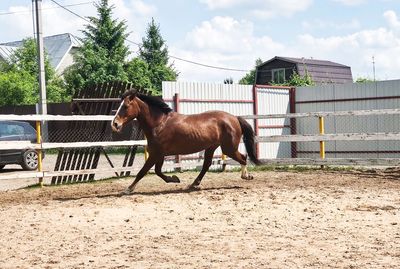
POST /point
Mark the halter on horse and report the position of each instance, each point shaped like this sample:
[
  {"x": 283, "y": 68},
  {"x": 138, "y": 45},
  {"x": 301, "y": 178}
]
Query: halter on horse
[{"x": 170, "y": 133}]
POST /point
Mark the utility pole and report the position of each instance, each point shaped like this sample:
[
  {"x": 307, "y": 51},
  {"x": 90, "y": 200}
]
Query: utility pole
[
  {"x": 40, "y": 50},
  {"x": 42, "y": 77}
]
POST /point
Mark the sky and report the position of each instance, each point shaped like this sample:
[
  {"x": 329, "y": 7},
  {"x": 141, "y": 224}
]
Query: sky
[{"x": 232, "y": 34}]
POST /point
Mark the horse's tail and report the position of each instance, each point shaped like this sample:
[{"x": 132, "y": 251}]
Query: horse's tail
[{"x": 248, "y": 139}]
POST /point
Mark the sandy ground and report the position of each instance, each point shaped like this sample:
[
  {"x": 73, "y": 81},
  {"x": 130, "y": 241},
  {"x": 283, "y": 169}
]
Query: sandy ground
[{"x": 278, "y": 220}]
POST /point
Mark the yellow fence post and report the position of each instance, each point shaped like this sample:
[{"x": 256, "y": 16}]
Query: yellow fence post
[
  {"x": 39, "y": 142},
  {"x": 223, "y": 158},
  {"x": 321, "y": 143}
]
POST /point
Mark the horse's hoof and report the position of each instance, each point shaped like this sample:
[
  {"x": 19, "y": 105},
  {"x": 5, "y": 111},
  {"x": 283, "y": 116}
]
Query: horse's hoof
[
  {"x": 248, "y": 177},
  {"x": 127, "y": 192},
  {"x": 175, "y": 179},
  {"x": 194, "y": 187}
]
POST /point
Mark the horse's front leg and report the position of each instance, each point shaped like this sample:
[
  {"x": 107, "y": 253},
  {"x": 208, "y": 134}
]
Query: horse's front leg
[
  {"x": 146, "y": 167},
  {"x": 159, "y": 164}
]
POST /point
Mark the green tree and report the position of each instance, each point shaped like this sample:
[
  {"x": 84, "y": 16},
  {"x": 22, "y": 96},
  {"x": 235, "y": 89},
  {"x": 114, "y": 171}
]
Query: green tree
[
  {"x": 364, "y": 80},
  {"x": 250, "y": 78},
  {"x": 103, "y": 54},
  {"x": 25, "y": 58},
  {"x": 299, "y": 81},
  {"x": 154, "y": 52},
  {"x": 19, "y": 78},
  {"x": 138, "y": 73},
  {"x": 16, "y": 88}
]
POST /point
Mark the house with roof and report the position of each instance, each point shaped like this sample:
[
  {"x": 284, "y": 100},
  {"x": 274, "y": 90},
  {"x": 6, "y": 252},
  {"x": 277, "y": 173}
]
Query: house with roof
[
  {"x": 6, "y": 52},
  {"x": 59, "y": 48},
  {"x": 280, "y": 69}
]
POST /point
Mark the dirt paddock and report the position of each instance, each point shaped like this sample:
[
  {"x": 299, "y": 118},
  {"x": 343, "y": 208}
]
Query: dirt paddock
[{"x": 278, "y": 220}]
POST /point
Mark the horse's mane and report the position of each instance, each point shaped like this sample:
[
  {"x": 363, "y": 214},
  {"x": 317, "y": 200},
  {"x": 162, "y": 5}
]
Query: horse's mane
[{"x": 153, "y": 101}]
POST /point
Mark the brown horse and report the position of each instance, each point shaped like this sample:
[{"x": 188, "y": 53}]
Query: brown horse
[{"x": 171, "y": 133}]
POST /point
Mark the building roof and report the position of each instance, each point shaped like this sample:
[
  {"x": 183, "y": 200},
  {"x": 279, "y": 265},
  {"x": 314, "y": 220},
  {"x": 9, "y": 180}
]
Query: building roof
[
  {"x": 56, "y": 46},
  {"x": 6, "y": 51},
  {"x": 321, "y": 71},
  {"x": 305, "y": 61}
]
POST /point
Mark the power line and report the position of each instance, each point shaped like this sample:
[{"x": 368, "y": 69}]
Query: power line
[
  {"x": 171, "y": 56},
  {"x": 209, "y": 66},
  {"x": 70, "y": 11},
  {"x": 26, "y": 12}
]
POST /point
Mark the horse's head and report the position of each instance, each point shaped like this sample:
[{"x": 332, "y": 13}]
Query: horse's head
[{"x": 127, "y": 111}]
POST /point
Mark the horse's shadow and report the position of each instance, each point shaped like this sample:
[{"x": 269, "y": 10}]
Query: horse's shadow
[{"x": 149, "y": 193}]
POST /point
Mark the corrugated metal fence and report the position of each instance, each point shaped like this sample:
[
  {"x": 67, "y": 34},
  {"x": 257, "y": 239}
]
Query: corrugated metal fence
[
  {"x": 190, "y": 98},
  {"x": 348, "y": 97},
  {"x": 239, "y": 100}
]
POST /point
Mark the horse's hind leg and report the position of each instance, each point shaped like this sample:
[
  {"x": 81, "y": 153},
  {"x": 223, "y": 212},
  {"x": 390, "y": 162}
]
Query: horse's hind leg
[
  {"x": 209, "y": 153},
  {"x": 242, "y": 159},
  {"x": 157, "y": 169}
]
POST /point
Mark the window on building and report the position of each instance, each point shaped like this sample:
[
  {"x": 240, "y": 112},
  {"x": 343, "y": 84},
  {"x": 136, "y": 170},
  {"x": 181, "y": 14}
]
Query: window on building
[{"x": 278, "y": 75}]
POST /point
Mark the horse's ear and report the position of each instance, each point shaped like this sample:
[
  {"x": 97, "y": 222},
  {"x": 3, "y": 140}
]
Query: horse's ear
[{"x": 132, "y": 95}]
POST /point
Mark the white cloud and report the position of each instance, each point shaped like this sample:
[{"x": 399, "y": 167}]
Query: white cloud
[
  {"x": 16, "y": 23},
  {"x": 324, "y": 24},
  {"x": 226, "y": 42},
  {"x": 351, "y": 2},
  {"x": 222, "y": 4},
  {"x": 143, "y": 9},
  {"x": 357, "y": 49},
  {"x": 261, "y": 8},
  {"x": 137, "y": 15},
  {"x": 222, "y": 42},
  {"x": 392, "y": 19},
  {"x": 223, "y": 34},
  {"x": 56, "y": 20}
]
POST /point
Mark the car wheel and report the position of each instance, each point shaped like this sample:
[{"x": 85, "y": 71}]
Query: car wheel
[
  {"x": 2, "y": 166},
  {"x": 30, "y": 160}
]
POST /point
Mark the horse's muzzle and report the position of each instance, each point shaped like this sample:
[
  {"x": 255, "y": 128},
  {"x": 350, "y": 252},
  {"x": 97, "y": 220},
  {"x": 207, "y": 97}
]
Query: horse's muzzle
[{"x": 116, "y": 127}]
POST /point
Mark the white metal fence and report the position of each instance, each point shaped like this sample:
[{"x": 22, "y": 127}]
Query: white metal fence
[
  {"x": 239, "y": 100},
  {"x": 191, "y": 98},
  {"x": 352, "y": 96}
]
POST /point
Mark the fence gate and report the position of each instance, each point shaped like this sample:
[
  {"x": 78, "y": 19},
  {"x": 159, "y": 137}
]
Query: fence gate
[{"x": 100, "y": 99}]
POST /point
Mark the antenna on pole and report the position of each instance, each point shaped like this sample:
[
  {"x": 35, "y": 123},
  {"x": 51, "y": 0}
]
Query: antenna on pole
[{"x": 373, "y": 66}]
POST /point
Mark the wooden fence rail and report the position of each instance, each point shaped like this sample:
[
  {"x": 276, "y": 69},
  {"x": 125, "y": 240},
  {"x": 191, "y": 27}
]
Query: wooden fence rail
[
  {"x": 261, "y": 139},
  {"x": 28, "y": 145},
  {"x": 330, "y": 137},
  {"x": 375, "y": 112},
  {"x": 55, "y": 117},
  {"x": 264, "y": 139}
]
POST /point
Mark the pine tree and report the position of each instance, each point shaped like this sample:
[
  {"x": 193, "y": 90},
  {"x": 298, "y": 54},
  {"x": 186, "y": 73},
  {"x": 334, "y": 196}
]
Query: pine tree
[
  {"x": 103, "y": 53},
  {"x": 154, "y": 52}
]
